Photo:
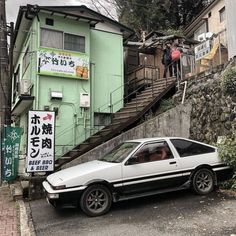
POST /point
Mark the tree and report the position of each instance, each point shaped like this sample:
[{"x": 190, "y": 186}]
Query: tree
[{"x": 151, "y": 14}]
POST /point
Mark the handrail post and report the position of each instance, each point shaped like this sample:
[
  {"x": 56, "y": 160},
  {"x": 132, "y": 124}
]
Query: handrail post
[
  {"x": 181, "y": 69},
  {"x": 152, "y": 85},
  {"x": 111, "y": 106}
]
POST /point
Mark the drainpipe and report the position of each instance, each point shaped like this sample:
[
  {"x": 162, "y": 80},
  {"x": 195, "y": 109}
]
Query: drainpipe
[{"x": 184, "y": 93}]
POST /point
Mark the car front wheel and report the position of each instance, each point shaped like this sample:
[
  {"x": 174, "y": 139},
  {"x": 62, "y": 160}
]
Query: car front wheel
[
  {"x": 96, "y": 200},
  {"x": 203, "y": 181}
]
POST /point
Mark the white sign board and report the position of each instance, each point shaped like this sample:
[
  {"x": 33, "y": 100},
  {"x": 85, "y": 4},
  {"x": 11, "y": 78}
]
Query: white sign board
[
  {"x": 63, "y": 64},
  {"x": 202, "y": 50},
  {"x": 41, "y": 141}
]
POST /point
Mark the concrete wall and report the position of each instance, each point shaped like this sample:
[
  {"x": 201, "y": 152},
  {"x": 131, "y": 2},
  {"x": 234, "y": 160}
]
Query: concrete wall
[
  {"x": 175, "y": 122},
  {"x": 230, "y": 7}
]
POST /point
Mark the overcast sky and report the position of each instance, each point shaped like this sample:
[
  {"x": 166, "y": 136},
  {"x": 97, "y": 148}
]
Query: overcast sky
[{"x": 12, "y": 6}]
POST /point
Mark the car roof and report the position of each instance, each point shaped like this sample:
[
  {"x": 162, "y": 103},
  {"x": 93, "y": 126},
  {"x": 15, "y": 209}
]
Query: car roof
[{"x": 143, "y": 140}]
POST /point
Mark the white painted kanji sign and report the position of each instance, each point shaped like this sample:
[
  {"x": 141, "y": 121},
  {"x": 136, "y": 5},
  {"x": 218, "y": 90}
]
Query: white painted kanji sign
[{"x": 41, "y": 141}]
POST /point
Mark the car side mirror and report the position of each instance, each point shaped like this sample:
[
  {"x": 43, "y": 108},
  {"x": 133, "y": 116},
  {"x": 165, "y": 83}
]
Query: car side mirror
[{"x": 132, "y": 160}]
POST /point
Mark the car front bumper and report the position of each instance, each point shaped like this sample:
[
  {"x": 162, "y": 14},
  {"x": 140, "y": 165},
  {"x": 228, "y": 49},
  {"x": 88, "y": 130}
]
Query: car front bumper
[{"x": 64, "y": 197}]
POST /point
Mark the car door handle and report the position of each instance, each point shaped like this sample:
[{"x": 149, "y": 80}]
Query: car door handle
[{"x": 172, "y": 162}]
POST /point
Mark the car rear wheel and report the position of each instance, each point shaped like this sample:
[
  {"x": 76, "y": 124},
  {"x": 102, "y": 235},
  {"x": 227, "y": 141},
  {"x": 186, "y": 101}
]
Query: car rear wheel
[
  {"x": 203, "y": 181},
  {"x": 96, "y": 200}
]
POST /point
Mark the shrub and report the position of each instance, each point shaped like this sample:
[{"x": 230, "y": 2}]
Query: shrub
[
  {"x": 229, "y": 81},
  {"x": 165, "y": 105},
  {"x": 227, "y": 153}
]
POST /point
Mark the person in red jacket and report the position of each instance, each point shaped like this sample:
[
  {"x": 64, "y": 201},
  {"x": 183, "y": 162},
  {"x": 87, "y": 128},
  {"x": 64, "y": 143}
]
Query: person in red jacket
[{"x": 175, "y": 56}]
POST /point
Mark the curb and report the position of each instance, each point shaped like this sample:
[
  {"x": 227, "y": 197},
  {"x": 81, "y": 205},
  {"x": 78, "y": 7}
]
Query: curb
[
  {"x": 26, "y": 226},
  {"x": 26, "y": 223}
]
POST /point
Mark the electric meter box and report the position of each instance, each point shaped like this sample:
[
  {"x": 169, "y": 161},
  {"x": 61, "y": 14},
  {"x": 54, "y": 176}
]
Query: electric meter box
[{"x": 84, "y": 100}]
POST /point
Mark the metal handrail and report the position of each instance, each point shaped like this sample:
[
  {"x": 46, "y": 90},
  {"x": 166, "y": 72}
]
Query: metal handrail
[{"x": 109, "y": 104}]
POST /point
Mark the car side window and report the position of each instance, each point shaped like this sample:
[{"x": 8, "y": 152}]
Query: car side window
[
  {"x": 188, "y": 148},
  {"x": 153, "y": 152}
]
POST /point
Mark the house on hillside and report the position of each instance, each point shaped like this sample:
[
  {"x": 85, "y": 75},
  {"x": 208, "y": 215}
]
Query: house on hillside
[
  {"x": 210, "y": 27},
  {"x": 143, "y": 59},
  {"x": 67, "y": 59}
]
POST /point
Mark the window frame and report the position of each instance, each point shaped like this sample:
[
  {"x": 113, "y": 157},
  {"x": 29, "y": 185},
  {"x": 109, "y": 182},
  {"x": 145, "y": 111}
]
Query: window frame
[
  {"x": 222, "y": 14},
  {"x": 48, "y": 29},
  {"x": 16, "y": 83},
  {"x": 149, "y": 143},
  {"x": 81, "y": 36},
  {"x": 63, "y": 40},
  {"x": 193, "y": 142}
]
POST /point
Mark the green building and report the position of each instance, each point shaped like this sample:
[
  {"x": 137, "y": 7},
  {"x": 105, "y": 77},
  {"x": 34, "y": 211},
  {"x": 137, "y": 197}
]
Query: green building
[{"x": 69, "y": 60}]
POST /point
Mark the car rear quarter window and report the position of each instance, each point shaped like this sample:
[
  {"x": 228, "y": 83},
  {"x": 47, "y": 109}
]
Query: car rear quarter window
[{"x": 187, "y": 148}]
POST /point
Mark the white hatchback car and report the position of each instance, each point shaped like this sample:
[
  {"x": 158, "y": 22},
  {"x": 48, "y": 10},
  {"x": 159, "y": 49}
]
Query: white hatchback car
[{"x": 137, "y": 168}]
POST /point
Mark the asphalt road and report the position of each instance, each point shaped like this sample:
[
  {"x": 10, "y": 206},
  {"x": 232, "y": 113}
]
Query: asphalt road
[{"x": 178, "y": 213}]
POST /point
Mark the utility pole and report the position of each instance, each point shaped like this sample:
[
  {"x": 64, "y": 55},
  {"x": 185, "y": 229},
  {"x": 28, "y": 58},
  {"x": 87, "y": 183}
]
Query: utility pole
[
  {"x": 5, "y": 110},
  {"x": 5, "y": 94}
]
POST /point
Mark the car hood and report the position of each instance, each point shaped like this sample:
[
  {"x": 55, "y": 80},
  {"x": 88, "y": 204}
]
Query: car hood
[{"x": 79, "y": 174}]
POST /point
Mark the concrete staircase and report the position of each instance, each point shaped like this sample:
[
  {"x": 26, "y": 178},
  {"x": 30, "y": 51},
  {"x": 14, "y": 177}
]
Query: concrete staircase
[{"x": 122, "y": 119}]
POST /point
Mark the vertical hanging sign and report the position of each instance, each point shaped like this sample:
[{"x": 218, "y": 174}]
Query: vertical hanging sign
[
  {"x": 41, "y": 141},
  {"x": 11, "y": 147}
]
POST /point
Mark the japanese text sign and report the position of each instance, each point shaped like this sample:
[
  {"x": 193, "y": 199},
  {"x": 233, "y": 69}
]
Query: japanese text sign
[
  {"x": 202, "y": 50},
  {"x": 63, "y": 64},
  {"x": 41, "y": 135},
  {"x": 11, "y": 147}
]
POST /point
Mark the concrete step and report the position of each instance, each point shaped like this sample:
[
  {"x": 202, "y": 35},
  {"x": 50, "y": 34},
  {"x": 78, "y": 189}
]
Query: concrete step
[
  {"x": 131, "y": 108},
  {"x": 140, "y": 103},
  {"x": 16, "y": 191},
  {"x": 125, "y": 113},
  {"x": 61, "y": 160}
]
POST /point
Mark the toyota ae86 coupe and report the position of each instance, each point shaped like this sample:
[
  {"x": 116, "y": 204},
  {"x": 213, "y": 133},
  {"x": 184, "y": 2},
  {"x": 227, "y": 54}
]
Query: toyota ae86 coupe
[{"x": 137, "y": 168}]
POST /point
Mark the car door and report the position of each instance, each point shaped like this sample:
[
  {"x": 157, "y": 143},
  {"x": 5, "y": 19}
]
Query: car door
[{"x": 152, "y": 170}]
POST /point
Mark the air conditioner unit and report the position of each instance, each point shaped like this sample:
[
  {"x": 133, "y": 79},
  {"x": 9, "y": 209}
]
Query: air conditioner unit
[
  {"x": 201, "y": 37},
  {"x": 84, "y": 100},
  {"x": 25, "y": 86}
]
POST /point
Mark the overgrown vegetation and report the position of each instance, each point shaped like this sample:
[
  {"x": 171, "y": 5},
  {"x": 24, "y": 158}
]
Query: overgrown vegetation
[
  {"x": 165, "y": 105},
  {"x": 229, "y": 82},
  {"x": 227, "y": 152},
  {"x": 149, "y": 15}
]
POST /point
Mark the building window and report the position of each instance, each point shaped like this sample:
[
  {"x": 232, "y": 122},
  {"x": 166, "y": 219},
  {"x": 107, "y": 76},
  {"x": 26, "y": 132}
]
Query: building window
[
  {"x": 202, "y": 29},
  {"x": 74, "y": 43},
  {"x": 51, "y": 38},
  {"x": 55, "y": 39},
  {"x": 26, "y": 60},
  {"x": 222, "y": 14},
  {"x": 49, "y": 21}
]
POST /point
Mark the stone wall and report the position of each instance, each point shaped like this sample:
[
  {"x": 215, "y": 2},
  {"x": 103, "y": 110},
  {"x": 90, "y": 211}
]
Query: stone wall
[
  {"x": 213, "y": 114},
  {"x": 205, "y": 115},
  {"x": 174, "y": 122}
]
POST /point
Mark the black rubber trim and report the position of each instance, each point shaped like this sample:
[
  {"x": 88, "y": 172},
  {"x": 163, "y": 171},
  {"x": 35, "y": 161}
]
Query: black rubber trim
[{"x": 162, "y": 175}]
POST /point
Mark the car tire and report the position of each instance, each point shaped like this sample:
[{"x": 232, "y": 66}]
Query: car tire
[
  {"x": 203, "y": 181},
  {"x": 96, "y": 200}
]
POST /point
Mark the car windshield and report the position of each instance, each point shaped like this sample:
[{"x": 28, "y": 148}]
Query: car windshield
[{"x": 119, "y": 153}]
